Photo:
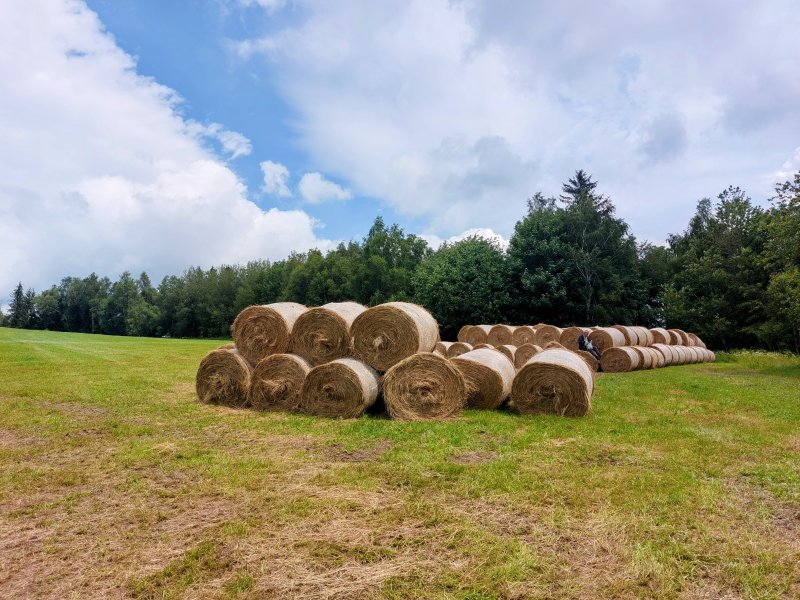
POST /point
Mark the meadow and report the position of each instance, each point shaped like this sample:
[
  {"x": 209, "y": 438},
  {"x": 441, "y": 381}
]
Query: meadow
[{"x": 115, "y": 481}]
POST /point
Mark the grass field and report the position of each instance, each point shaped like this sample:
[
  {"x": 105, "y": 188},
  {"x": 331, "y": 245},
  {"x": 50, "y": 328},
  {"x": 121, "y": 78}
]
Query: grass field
[{"x": 115, "y": 482}]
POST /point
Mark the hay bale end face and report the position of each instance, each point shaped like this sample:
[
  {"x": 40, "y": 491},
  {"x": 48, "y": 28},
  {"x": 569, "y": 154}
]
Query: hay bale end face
[
  {"x": 524, "y": 353},
  {"x": 500, "y": 335},
  {"x": 606, "y": 337},
  {"x": 569, "y": 338},
  {"x": 546, "y": 334},
  {"x": 524, "y": 334},
  {"x": 343, "y": 388},
  {"x": 589, "y": 359},
  {"x": 259, "y": 331},
  {"x": 660, "y": 335},
  {"x": 443, "y": 347},
  {"x": 619, "y": 359},
  {"x": 458, "y": 349},
  {"x": 462, "y": 333},
  {"x": 508, "y": 351},
  {"x": 386, "y": 334},
  {"x": 424, "y": 386},
  {"x": 553, "y": 381},
  {"x": 488, "y": 376},
  {"x": 223, "y": 377},
  {"x": 477, "y": 334},
  {"x": 277, "y": 382},
  {"x": 628, "y": 333},
  {"x": 322, "y": 334}
]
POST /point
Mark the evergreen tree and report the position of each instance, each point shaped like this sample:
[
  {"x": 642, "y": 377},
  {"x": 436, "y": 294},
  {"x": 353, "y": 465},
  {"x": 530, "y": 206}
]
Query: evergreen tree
[{"x": 17, "y": 316}]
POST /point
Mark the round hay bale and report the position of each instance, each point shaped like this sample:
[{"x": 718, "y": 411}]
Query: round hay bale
[
  {"x": 477, "y": 334},
  {"x": 343, "y": 388},
  {"x": 546, "y": 334},
  {"x": 660, "y": 335},
  {"x": 589, "y": 358},
  {"x": 442, "y": 347},
  {"x": 554, "y": 344},
  {"x": 683, "y": 355},
  {"x": 606, "y": 337},
  {"x": 658, "y": 358},
  {"x": 693, "y": 339},
  {"x": 500, "y": 335},
  {"x": 681, "y": 340},
  {"x": 508, "y": 351},
  {"x": 422, "y": 387},
  {"x": 322, "y": 334},
  {"x": 674, "y": 338},
  {"x": 631, "y": 337},
  {"x": 524, "y": 334},
  {"x": 524, "y": 353},
  {"x": 488, "y": 376},
  {"x": 386, "y": 334},
  {"x": 553, "y": 381},
  {"x": 569, "y": 338},
  {"x": 666, "y": 352},
  {"x": 223, "y": 377},
  {"x": 645, "y": 359},
  {"x": 261, "y": 330},
  {"x": 277, "y": 381},
  {"x": 619, "y": 359},
  {"x": 479, "y": 346},
  {"x": 645, "y": 336},
  {"x": 462, "y": 333},
  {"x": 458, "y": 349}
]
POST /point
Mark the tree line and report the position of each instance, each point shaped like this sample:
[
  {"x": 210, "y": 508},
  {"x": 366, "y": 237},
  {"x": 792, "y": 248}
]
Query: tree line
[{"x": 732, "y": 277}]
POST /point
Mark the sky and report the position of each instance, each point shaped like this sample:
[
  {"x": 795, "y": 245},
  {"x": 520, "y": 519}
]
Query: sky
[{"x": 153, "y": 136}]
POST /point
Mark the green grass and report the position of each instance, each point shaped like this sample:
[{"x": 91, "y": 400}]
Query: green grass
[{"x": 683, "y": 482}]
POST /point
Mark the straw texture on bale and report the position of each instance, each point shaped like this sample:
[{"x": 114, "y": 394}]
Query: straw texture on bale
[
  {"x": 442, "y": 347},
  {"x": 386, "y": 334},
  {"x": 477, "y": 334},
  {"x": 606, "y": 337},
  {"x": 554, "y": 344},
  {"x": 508, "y": 351},
  {"x": 546, "y": 334},
  {"x": 458, "y": 349},
  {"x": 553, "y": 381},
  {"x": 569, "y": 338},
  {"x": 658, "y": 358},
  {"x": 322, "y": 334},
  {"x": 628, "y": 333},
  {"x": 666, "y": 351},
  {"x": 679, "y": 337},
  {"x": 259, "y": 331},
  {"x": 500, "y": 335},
  {"x": 424, "y": 386},
  {"x": 619, "y": 359},
  {"x": 277, "y": 382},
  {"x": 645, "y": 358},
  {"x": 589, "y": 359},
  {"x": 462, "y": 333},
  {"x": 477, "y": 346},
  {"x": 488, "y": 376},
  {"x": 524, "y": 334},
  {"x": 525, "y": 353},
  {"x": 223, "y": 377},
  {"x": 343, "y": 388},
  {"x": 227, "y": 347},
  {"x": 644, "y": 335},
  {"x": 660, "y": 335}
]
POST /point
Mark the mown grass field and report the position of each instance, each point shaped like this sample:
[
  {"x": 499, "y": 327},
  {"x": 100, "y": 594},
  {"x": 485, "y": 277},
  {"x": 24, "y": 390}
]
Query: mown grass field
[{"x": 115, "y": 482}]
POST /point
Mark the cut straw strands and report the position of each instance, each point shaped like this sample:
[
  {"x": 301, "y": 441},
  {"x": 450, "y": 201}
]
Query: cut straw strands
[
  {"x": 223, "y": 377},
  {"x": 442, "y": 348},
  {"x": 424, "y": 386},
  {"x": 524, "y": 334},
  {"x": 569, "y": 338},
  {"x": 508, "y": 351},
  {"x": 386, "y": 334},
  {"x": 500, "y": 335},
  {"x": 660, "y": 335},
  {"x": 259, "y": 331},
  {"x": 322, "y": 334},
  {"x": 619, "y": 359},
  {"x": 604, "y": 338},
  {"x": 488, "y": 376},
  {"x": 477, "y": 334},
  {"x": 343, "y": 388},
  {"x": 546, "y": 334},
  {"x": 553, "y": 381},
  {"x": 277, "y": 382},
  {"x": 524, "y": 353},
  {"x": 458, "y": 349}
]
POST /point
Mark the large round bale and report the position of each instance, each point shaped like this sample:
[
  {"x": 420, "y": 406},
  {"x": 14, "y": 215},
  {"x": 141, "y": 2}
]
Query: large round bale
[
  {"x": 488, "y": 376},
  {"x": 223, "y": 377},
  {"x": 500, "y": 335},
  {"x": 322, "y": 334},
  {"x": 658, "y": 358},
  {"x": 666, "y": 351},
  {"x": 462, "y": 333},
  {"x": 619, "y": 359},
  {"x": 645, "y": 359},
  {"x": 457, "y": 349},
  {"x": 606, "y": 337},
  {"x": 631, "y": 337},
  {"x": 546, "y": 334},
  {"x": 343, "y": 388},
  {"x": 508, "y": 351},
  {"x": 569, "y": 338},
  {"x": 683, "y": 354},
  {"x": 524, "y": 334},
  {"x": 424, "y": 386},
  {"x": 442, "y": 347},
  {"x": 477, "y": 334},
  {"x": 646, "y": 337},
  {"x": 261, "y": 330},
  {"x": 553, "y": 381},
  {"x": 678, "y": 337},
  {"x": 660, "y": 335},
  {"x": 674, "y": 338},
  {"x": 693, "y": 339},
  {"x": 277, "y": 382},
  {"x": 524, "y": 353},
  {"x": 386, "y": 334}
]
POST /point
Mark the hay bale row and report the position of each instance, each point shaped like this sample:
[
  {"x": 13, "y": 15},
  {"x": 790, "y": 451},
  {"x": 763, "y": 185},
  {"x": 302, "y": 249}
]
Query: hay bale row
[{"x": 632, "y": 358}]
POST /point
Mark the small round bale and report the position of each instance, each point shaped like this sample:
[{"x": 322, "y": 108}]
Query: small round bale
[
  {"x": 660, "y": 335},
  {"x": 524, "y": 334},
  {"x": 500, "y": 335},
  {"x": 322, "y": 334},
  {"x": 223, "y": 377},
  {"x": 606, "y": 337},
  {"x": 343, "y": 388},
  {"x": 524, "y": 353},
  {"x": 619, "y": 359},
  {"x": 277, "y": 382},
  {"x": 477, "y": 334},
  {"x": 488, "y": 376},
  {"x": 458, "y": 349},
  {"x": 553, "y": 381},
  {"x": 386, "y": 334},
  {"x": 261, "y": 330},
  {"x": 424, "y": 386},
  {"x": 546, "y": 334}
]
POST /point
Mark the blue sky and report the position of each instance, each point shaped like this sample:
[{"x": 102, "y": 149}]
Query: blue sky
[{"x": 156, "y": 135}]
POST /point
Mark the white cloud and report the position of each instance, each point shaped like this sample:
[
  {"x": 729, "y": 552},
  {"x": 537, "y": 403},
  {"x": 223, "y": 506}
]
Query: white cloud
[
  {"x": 232, "y": 142},
  {"x": 276, "y": 177},
  {"x": 270, "y": 6},
  {"x": 434, "y": 241},
  {"x": 314, "y": 188},
  {"x": 788, "y": 168},
  {"x": 98, "y": 170}
]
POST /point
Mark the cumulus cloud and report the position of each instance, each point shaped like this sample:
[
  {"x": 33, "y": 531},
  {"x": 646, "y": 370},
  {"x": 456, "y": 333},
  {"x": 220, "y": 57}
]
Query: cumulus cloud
[
  {"x": 276, "y": 177},
  {"x": 99, "y": 171},
  {"x": 434, "y": 241},
  {"x": 314, "y": 188}
]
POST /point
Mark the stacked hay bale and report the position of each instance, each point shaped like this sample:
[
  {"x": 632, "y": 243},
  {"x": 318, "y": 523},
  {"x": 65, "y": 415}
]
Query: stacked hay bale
[
  {"x": 223, "y": 377},
  {"x": 554, "y": 381},
  {"x": 488, "y": 376}
]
